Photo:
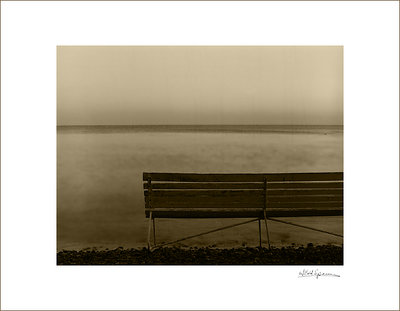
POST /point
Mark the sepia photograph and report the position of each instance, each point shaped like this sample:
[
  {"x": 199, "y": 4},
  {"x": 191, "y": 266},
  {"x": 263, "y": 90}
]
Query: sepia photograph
[{"x": 200, "y": 155}]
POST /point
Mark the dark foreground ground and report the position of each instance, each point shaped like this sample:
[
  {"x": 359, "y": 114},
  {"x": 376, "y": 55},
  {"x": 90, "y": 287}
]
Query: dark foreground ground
[{"x": 310, "y": 255}]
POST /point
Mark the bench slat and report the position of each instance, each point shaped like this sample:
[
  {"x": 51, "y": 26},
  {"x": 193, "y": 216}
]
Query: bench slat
[
  {"x": 273, "y": 195},
  {"x": 256, "y": 201},
  {"x": 205, "y": 193},
  {"x": 242, "y": 213},
  {"x": 247, "y": 196},
  {"x": 304, "y": 185},
  {"x": 281, "y": 192},
  {"x": 304, "y": 198},
  {"x": 305, "y": 204},
  {"x": 249, "y": 185},
  {"x": 191, "y": 177},
  {"x": 205, "y": 185},
  {"x": 204, "y": 202},
  {"x": 213, "y": 192}
]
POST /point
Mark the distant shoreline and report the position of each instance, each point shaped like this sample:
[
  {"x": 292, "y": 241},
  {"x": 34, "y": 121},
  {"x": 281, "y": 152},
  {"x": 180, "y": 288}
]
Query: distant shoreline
[
  {"x": 317, "y": 129},
  {"x": 200, "y": 125}
]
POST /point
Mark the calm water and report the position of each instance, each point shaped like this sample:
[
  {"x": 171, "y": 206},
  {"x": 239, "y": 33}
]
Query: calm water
[{"x": 99, "y": 179}]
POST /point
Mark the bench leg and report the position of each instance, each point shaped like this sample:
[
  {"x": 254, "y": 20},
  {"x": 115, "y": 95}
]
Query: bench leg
[
  {"x": 154, "y": 232},
  {"x": 149, "y": 232},
  {"x": 266, "y": 227},
  {"x": 259, "y": 231}
]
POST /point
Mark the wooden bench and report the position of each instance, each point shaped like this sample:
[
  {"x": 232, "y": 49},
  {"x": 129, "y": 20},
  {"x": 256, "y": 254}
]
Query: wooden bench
[{"x": 257, "y": 196}]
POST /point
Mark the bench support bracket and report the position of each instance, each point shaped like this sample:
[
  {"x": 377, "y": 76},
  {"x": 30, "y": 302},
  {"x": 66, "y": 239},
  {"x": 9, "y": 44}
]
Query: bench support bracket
[
  {"x": 200, "y": 234},
  {"x": 306, "y": 227}
]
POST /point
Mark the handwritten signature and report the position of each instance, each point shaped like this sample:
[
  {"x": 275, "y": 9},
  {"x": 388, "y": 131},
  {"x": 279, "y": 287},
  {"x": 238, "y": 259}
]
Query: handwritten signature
[{"x": 315, "y": 273}]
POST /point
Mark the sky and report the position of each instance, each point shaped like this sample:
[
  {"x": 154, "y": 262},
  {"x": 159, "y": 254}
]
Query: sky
[{"x": 149, "y": 85}]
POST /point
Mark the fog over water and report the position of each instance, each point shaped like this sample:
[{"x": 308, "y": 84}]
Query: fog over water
[{"x": 129, "y": 85}]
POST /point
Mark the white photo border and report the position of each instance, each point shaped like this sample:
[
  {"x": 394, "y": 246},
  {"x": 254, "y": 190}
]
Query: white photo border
[{"x": 30, "y": 33}]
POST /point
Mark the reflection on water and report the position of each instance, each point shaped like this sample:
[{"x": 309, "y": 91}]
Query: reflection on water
[{"x": 99, "y": 180}]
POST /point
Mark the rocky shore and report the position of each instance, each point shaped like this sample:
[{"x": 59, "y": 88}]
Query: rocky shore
[{"x": 309, "y": 255}]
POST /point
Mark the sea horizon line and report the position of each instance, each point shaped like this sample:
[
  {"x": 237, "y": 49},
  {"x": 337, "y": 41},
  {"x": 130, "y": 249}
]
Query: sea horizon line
[{"x": 199, "y": 125}]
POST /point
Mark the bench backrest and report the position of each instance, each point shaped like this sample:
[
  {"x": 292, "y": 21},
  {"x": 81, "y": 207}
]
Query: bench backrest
[{"x": 186, "y": 195}]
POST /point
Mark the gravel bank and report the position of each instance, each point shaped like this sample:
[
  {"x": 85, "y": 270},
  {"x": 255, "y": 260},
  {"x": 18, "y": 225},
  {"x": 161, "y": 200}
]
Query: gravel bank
[{"x": 310, "y": 255}]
